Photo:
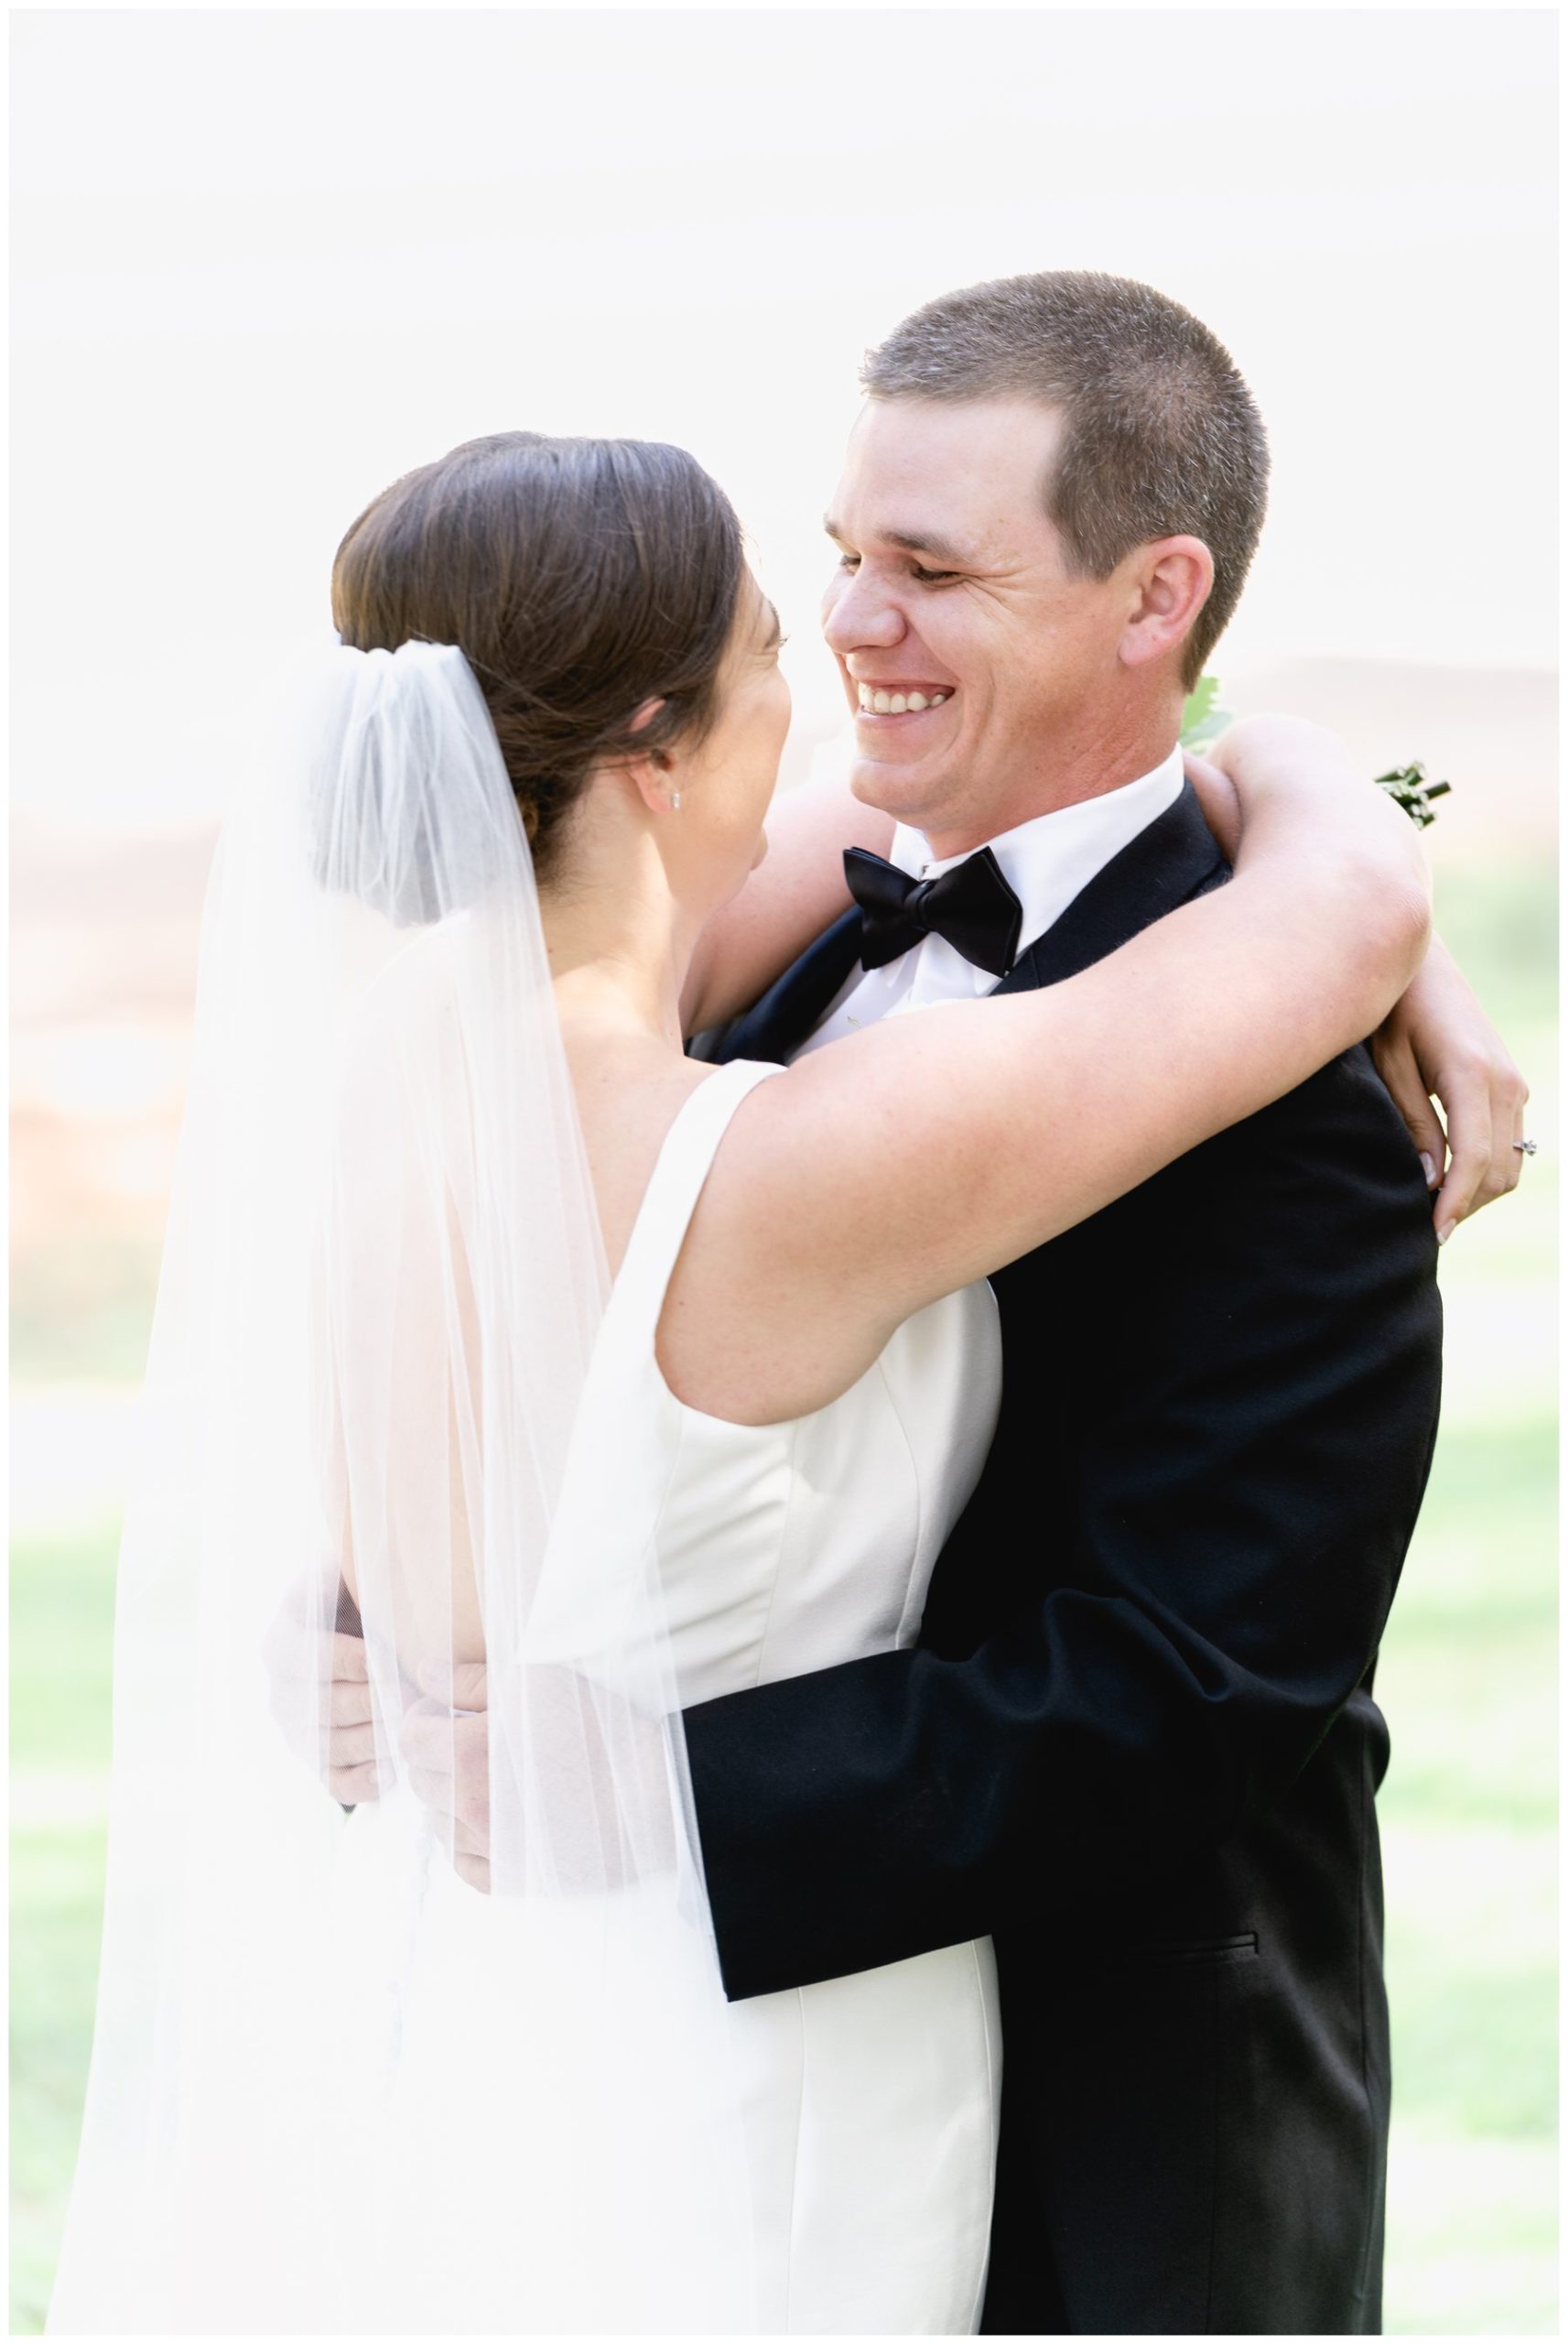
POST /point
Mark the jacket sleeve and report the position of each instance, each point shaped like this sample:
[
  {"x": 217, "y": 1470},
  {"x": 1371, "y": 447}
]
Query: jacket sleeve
[{"x": 1174, "y": 1631}]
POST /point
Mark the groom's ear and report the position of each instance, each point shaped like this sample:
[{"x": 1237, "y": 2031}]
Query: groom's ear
[{"x": 1169, "y": 582}]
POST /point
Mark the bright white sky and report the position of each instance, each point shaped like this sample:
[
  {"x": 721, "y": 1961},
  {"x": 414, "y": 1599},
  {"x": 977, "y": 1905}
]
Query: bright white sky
[{"x": 268, "y": 261}]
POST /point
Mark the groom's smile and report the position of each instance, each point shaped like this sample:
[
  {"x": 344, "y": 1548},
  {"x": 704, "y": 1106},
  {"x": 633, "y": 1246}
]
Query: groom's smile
[
  {"x": 980, "y": 665},
  {"x": 885, "y": 700}
]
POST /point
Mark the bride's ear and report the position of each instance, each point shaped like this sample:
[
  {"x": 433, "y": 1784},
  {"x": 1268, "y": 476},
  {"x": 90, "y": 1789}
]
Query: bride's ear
[{"x": 653, "y": 774}]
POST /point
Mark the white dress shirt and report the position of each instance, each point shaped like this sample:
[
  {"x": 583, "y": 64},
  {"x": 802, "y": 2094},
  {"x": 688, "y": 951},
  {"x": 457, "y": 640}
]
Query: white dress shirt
[{"x": 1045, "y": 862}]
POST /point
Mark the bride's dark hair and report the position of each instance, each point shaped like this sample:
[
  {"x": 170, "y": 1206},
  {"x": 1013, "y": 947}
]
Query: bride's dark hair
[{"x": 578, "y": 578}]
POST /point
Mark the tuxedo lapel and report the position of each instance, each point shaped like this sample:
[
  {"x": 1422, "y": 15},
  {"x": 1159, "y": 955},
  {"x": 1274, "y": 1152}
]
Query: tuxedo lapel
[
  {"x": 1175, "y": 859},
  {"x": 793, "y": 1008}
]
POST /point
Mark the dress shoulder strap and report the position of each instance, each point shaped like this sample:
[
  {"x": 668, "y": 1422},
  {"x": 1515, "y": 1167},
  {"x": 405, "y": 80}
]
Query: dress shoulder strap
[{"x": 684, "y": 1163}]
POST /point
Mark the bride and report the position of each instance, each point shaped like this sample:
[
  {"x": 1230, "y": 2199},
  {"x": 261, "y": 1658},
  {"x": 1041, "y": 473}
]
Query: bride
[{"x": 631, "y": 1380}]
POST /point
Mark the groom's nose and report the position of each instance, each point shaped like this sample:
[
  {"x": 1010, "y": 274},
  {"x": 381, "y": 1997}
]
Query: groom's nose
[{"x": 860, "y": 616}]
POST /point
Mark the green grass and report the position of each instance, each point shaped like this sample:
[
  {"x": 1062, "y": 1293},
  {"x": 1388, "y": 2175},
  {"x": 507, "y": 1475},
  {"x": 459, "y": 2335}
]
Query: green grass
[
  {"x": 1468, "y": 1811},
  {"x": 1500, "y": 923},
  {"x": 1469, "y": 1682},
  {"x": 1468, "y": 1814},
  {"x": 62, "y": 1616}
]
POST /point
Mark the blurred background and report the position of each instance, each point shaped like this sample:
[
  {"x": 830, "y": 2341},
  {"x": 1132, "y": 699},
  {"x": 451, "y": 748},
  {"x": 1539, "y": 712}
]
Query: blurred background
[{"x": 266, "y": 262}]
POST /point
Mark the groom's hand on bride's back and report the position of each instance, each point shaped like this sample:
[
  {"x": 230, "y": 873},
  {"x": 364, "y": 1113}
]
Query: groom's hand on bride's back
[
  {"x": 320, "y": 1694},
  {"x": 600, "y": 1810},
  {"x": 324, "y": 1704},
  {"x": 445, "y": 1744}
]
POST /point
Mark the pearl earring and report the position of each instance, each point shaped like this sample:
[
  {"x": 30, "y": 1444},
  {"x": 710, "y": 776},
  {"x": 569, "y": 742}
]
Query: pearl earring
[{"x": 675, "y": 801}]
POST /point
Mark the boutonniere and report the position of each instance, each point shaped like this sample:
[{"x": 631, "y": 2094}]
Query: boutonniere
[
  {"x": 1203, "y": 719},
  {"x": 1410, "y": 788}
]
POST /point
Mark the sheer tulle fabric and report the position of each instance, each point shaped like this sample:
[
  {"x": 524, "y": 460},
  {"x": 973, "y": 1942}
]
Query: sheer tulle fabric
[{"x": 335, "y": 2088}]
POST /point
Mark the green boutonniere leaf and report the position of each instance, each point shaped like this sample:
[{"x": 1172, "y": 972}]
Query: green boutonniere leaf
[
  {"x": 1203, "y": 718},
  {"x": 1410, "y": 789}
]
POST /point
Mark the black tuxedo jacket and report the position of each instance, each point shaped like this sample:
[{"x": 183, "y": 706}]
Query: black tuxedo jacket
[{"x": 1137, "y": 1742}]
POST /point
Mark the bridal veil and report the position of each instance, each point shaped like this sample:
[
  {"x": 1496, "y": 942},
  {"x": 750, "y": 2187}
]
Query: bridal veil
[{"x": 334, "y": 2086}]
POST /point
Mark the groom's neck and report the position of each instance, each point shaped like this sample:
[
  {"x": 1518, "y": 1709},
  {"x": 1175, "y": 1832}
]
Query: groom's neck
[
  {"x": 1092, "y": 762},
  {"x": 1086, "y": 758}
]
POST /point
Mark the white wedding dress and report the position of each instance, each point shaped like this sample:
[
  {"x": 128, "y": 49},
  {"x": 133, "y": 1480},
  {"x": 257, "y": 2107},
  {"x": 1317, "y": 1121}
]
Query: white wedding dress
[
  {"x": 867, "y": 2104},
  {"x": 334, "y": 2089}
]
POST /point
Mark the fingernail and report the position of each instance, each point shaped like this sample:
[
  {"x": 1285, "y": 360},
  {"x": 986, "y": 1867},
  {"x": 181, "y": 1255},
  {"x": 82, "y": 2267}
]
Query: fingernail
[
  {"x": 1430, "y": 1168},
  {"x": 1446, "y": 1232}
]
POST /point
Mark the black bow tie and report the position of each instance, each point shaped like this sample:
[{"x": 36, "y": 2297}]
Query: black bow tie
[{"x": 971, "y": 905}]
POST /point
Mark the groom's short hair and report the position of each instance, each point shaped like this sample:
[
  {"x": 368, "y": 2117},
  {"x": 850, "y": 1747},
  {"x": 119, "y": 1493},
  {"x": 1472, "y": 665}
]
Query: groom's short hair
[{"x": 1163, "y": 438}]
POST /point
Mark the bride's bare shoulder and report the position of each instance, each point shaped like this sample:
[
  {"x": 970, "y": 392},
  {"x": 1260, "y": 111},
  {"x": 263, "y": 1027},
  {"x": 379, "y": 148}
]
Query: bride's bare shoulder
[{"x": 626, "y": 1103}]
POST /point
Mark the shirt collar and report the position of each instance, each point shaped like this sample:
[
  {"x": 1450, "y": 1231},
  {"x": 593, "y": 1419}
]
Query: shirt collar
[{"x": 1052, "y": 858}]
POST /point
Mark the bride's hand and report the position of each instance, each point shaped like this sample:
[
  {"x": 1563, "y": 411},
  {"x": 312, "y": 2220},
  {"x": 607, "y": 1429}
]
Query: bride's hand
[{"x": 1438, "y": 1043}]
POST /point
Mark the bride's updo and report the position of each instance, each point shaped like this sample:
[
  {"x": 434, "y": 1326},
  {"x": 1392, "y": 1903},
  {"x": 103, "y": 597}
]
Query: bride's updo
[{"x": 578, "y": 578}]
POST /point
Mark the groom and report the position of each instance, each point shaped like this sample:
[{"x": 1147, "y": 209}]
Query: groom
[{"x": 1137, "y": 1743}]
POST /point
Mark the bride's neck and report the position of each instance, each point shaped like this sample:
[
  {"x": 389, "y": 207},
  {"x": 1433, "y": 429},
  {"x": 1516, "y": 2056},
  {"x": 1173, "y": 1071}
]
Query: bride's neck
[{"x": 619, "y": 949}]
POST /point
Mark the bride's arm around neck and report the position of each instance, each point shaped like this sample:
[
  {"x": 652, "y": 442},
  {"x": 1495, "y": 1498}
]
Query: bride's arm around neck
[{"x": 909, "y": 1160}]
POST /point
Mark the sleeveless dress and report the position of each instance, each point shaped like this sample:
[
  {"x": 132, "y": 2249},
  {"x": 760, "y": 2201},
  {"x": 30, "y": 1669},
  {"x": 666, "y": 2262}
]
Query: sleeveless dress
[{"x": 869, "y": 2104}]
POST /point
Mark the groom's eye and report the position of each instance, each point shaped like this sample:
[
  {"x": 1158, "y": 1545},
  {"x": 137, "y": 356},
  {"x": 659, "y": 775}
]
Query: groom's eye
[
  {"x": 932, "y": 576},
  {"x": 848, "y": 561}
]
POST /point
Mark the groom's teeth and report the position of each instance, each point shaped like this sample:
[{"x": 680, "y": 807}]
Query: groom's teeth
[{"x": 884, "y": 703}]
